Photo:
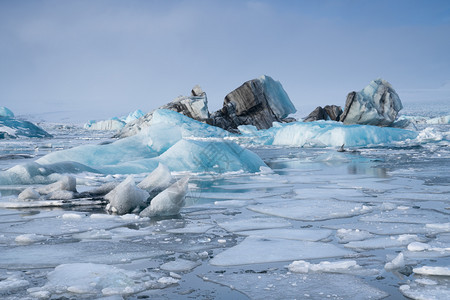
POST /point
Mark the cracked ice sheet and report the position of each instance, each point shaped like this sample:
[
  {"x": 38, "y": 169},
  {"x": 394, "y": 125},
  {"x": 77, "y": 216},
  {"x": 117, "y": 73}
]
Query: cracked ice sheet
[
  {"x": 324, "y": 192},
  {"x": 384, "y": 242},
  {"x": 385, "y": 228},
  {"x": 298, "y": 286},
  {"x": 429, "y": 289},
  {"x": 95, "y": 280},
  {"x": 407, "y": 214},
  {"x": 70, "y": 223},
  {"x": 255, "y": 250},
  {"x": 35, "y": 256},
  {"x": 312, "y": 235},
  {"x": 312, "y": 210}
]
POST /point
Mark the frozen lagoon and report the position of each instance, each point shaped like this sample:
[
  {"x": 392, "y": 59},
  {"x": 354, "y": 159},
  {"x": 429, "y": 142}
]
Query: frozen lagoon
[{"x": 343, "y": 217}]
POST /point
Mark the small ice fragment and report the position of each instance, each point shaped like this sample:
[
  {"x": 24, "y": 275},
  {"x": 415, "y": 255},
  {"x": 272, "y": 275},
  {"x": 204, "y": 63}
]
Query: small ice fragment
[
  {"x": 435, "y": 271},
  {"x": 66, "y": 183},
  {"x": 397, "y": 263},
  {"x": 156, "y": 181},
  {"x": 418, "y": 246},
  {"x": 168, "y": 202},
  {"x": 179, "y": 265},
  {"x": 30, "y": 238},
  {"x": 71, "y": 216},
  {"x": 126, "y": 197},
  {"x": 29, "y": 194}
]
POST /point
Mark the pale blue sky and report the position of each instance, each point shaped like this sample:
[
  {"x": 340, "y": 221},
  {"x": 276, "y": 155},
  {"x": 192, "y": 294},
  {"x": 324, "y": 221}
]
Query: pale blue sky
[{"x": 98, "y": 59}]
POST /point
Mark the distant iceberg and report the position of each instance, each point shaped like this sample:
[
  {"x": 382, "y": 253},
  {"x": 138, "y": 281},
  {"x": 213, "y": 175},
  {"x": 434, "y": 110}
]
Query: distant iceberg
[
  {"x": 114, "y": 123},
  {"x": 11, "y": 128}
]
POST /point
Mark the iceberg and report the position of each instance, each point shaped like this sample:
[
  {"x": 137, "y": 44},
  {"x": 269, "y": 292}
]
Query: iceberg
[
  {"x": 194, "y": 106},
  {"x": 258, "y": 102},
  {"x": 6, "y": 112},
  {"x": 326, "y": 134},
  {"x": 156, "y": 181},
  {"x": 114, "y": 123},
  {"x": 377, "y": 104},
  {"x": 11, "y": 128}
]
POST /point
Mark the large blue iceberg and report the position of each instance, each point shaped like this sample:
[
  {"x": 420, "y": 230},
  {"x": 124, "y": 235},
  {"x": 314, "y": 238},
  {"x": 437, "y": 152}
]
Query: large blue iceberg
[{"x": 11, "y": 128}]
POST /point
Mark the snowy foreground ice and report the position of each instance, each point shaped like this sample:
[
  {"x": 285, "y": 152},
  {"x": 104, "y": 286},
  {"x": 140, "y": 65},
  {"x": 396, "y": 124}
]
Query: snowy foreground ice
[{"x": 273, "y": 214}]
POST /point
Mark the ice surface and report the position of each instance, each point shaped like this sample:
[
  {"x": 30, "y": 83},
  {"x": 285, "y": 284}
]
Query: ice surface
[
  {"x": 168, "y": 202},
  {"x": 95, "y": 279},
  {"x": 429, "y": 290},
  {"x": 126, "y": 197},
  {"x": 12, "y": 283},
  {"x": 180, "y": 265},
  {"x": 253, "y": 224},
  {"x": 298, "y": 286},
  {"x": 312, "y": 235},
  {"x": 384, "y": 242},
  {"x": 256, "y": 250},
  {"x": 348, "y": 235},
  {"x": 312, "y": 210}
]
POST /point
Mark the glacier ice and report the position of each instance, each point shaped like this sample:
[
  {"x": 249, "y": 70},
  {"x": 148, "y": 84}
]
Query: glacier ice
[
  {"x": 126, "y": 197},
  {"x": 11, "y": 128},
  {"x": 377, "y": 104},
  {"x": 168, "y": 202},
  {"x": 6, "y": 112}
]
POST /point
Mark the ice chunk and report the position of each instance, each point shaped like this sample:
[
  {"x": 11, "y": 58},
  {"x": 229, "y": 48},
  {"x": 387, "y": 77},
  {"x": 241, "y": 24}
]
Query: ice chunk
[
  {"x": 418, "y": 246},
  {"x": 168, "y": 202},
  {"x": 397, "y": 263},
  {"x": 133, "y": 116},
  {"x": 111, "y": 124},
  {"x": 434, "y": 271},
  {"x": 126, "y": 197},
  {"x": 334, "y": 134},
  {"x": 29, "y": 194},
  {"x": 66, "y": 183},
  {"x": 95, "y": 279},
  {"x": 348, "y": 235},
  {"x": 344, "y": 266},
  {"x": 157, "y": 180},
  {"x": 277, "y": 97},
  {"x": 30, "y": 238},
  {"x": 179, "y": 265},
  {"x": 255, "y": 250},
  {"x": 377, "y": 104},
  {"x": 60, "y": 195},
  {"x": 439, "y": 120}
]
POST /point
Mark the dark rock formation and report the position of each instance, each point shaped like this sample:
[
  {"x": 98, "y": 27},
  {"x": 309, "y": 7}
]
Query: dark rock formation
[
  {"x": 258, "y": 102},
  {"x": 377, "y": 104},
  {"x": 329, "y": 112}
]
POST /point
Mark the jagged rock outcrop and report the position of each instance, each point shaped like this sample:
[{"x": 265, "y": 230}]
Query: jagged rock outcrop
[
  {"x": 329, "y": 112},
  {"x": 258, "y": 102},
  {"x": 194, "y": 106},
  {"x": 377, "y": 104}
]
